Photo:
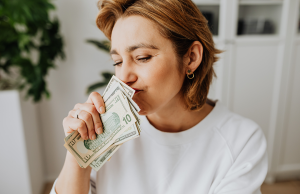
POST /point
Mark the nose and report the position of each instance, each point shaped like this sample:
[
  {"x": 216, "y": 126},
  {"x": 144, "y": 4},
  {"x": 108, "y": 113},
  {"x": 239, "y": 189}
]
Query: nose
[{"x": 126, "y": 73}]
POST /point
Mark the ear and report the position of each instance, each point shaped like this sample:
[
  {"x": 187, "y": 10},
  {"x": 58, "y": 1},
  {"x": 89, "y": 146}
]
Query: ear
[{"x": 193, "y": 57}]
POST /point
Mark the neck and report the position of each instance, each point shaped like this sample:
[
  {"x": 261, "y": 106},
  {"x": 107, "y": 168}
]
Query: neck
[{"x": 175, "y": 117}]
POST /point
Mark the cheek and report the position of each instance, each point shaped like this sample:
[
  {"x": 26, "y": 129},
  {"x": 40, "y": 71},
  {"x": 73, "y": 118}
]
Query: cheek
[
  {"x": 163, "y": 82},
  {"x": 155, "y": 76},
  {"x": 166, "y": 80},
  {"x": 162, "y": 73}
]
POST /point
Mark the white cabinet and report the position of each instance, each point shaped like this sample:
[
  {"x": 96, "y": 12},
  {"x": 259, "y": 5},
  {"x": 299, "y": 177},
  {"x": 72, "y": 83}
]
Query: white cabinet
[
  {"x": 259, "y": 72},
  {"x": 21, "y": 161},
  {"x": 290, "y": 139},
  {"x": 252, "y": 80}
]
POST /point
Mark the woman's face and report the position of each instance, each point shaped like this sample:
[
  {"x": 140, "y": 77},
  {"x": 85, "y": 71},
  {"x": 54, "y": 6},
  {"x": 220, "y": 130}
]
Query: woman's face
[{"x": 147, "y": 62}]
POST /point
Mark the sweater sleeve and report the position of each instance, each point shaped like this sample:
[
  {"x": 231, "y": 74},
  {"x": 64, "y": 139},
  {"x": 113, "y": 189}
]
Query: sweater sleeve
[
  {"x": 54, "y": 192},
  {"x": 250, "y": 164}
]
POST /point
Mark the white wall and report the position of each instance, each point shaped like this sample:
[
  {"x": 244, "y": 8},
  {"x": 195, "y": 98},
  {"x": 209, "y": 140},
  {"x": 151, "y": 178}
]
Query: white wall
[{"x": 69, "y": 81}]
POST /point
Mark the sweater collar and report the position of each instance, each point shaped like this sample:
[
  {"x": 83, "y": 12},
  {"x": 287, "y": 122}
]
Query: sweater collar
[{"x": 213, "y": 119}]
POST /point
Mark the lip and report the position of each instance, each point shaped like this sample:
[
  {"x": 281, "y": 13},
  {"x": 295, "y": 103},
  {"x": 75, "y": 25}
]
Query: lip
[{"x": 136, "y": 90}]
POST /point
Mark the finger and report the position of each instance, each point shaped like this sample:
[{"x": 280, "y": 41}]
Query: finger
[
  {"x": 71, "y": 124},
  {"x": 87, "y": 118},
  {"x": 94, "y": 113},
  {"x": 96, "y": 99}
]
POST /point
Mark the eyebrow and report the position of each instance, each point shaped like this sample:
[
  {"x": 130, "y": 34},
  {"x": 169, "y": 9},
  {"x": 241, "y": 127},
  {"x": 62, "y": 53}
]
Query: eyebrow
[{"x": 134, "y": 47}]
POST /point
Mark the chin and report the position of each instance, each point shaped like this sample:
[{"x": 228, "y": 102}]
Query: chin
[{"x": 142, "y": 112}]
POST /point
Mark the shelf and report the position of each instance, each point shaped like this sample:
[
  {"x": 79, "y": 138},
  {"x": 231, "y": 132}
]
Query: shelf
[
  {"x": 260, "y": 2},
  {"x": 259, "y": 19},
  {"x": 298, "y": 24},
  {"x": 258, "y": 39},
  {"x": 207, "y": 2},
  {"x": 211, "y": 13}
]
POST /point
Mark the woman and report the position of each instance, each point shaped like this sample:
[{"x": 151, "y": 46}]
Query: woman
[{"x": 164, "y": 50}]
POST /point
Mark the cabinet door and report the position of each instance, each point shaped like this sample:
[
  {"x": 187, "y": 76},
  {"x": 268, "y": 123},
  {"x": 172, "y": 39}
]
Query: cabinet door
[
  {"x": 252, "y": 81},
  {"x": 289, "y": 151}
]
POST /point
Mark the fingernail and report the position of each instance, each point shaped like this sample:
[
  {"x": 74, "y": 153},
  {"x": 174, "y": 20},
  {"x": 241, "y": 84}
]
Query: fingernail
[
  {"x": 102, "y": 110},
  {"x": 86, "y": 138},
  {"x": 93, "y": 137},
  {"x": 99, "y": 130}
]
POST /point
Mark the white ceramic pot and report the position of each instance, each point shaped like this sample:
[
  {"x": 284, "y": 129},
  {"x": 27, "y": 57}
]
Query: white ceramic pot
[{"x": 20, "y": 148}]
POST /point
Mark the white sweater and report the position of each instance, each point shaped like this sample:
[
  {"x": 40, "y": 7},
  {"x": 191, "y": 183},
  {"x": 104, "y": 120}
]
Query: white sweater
[{"x": 223, "y": 154}]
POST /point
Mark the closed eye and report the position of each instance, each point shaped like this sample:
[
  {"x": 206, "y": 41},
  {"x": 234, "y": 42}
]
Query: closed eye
[
  {"x": 145, "y": 59},
  {"x": 117, "y": 64}
]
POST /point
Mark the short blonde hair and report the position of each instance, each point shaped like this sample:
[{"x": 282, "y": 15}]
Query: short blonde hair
[{"x": 182, "y": 23}]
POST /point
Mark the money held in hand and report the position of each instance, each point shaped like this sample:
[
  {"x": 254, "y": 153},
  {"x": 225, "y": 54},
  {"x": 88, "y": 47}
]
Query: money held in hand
[{"x": 121, "y": 123}]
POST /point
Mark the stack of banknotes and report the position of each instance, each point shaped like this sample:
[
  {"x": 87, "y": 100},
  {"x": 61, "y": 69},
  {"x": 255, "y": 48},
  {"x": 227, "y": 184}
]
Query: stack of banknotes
[{"x": 121, "y": 123}]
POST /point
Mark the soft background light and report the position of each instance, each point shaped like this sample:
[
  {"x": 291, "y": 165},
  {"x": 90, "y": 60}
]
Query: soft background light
[
  {"x": 258, "y": 76},
  {"x": 69, "y": 81}
]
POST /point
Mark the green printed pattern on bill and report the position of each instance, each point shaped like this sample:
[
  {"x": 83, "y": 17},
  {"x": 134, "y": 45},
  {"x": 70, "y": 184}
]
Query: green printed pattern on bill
[{"x": 121, "y": 123}]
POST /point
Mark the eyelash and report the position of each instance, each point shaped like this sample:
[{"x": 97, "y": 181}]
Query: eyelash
[
  {"x": 143, "y": 60},
  {"x": 117, "y": 64}
]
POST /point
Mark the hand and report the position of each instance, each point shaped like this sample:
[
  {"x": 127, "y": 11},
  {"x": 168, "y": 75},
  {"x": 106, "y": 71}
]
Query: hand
[{"x": 88, "y": 122}]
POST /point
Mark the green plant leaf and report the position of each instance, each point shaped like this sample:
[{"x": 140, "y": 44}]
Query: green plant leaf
[
  {"x": 107, "y": 75},
  {"x": 103, "y": 45},
  {"x": 29, "y": 17}
]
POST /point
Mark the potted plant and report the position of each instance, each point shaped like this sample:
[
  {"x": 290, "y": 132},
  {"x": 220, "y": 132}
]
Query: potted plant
[{"x": 29, "y": 44}]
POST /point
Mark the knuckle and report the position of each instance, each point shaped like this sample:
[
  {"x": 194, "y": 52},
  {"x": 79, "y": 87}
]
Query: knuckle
[
  {"x": 93, "y": 94},
  {"x": 86, "y": 116},
  {"x": 93, "y": 110},
  {"x": 99, "y": 124},
  {"x": 96, "y": 96},
  {"x": 81, "y": 124},
  {"x": 91, "y": 128},
  {"x": 70, "y": 112},
  {"x": 82, "y": 131},
  {"x": 64, "y": 121},
  {"x": 77, "y": 105},
  {"x": 101, "y": 100}
]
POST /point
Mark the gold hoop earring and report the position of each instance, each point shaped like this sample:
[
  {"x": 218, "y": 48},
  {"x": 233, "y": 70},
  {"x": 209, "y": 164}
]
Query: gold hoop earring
[{"x": 189, "y": 73}]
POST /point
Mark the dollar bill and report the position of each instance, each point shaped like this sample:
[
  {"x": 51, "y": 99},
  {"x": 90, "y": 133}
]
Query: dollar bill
[
  {"x": 114, "y": 80},
  {"x": 100, "y": 161},
  {"x": 115, "y": 87},
  {"x": 131, "y": 133},
  {"x": 135, "y": 113},
  {"x": 68, "y": 137},
  {"x": 117, "y": 119},
  {"x": 121, "y": 123},
  {"x": 138, "y": 128}
]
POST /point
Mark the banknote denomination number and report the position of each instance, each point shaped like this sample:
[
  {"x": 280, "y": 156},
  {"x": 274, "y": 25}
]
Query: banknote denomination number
[
  {"x": 87, "y": 157},
  {"x": 127, "y": 118},
  {"x": 72, "y": 142}
]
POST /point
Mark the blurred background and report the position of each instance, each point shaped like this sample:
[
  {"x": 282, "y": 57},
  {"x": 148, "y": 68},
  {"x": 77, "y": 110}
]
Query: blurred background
[{"x": 44, "y": 51}]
